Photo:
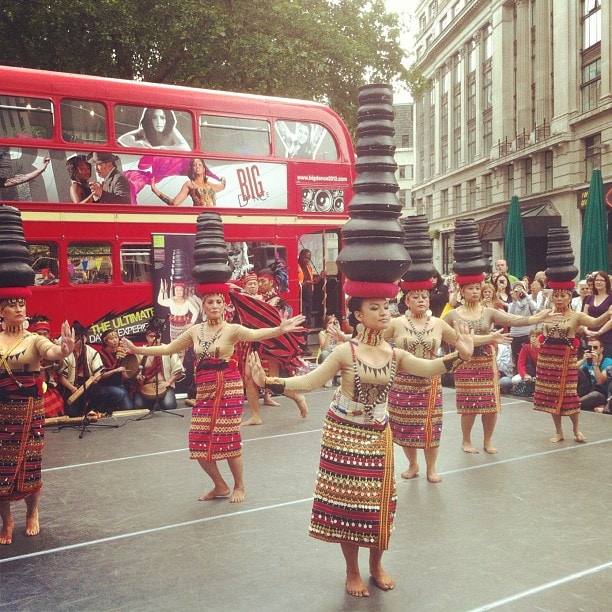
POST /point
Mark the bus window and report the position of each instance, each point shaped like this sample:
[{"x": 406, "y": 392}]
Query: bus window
[
  {"x": 44, "y": 261},
  {"x": 153, "y": 128},
  {"x": 135, "y": 263},
  {"x": 234, "y": 136},
  {"x": 26, "y": 118},
  {"x": 83, "y": 121},
  {"x": 89, "y": 263},
  {"x": 301, "y": 140}
]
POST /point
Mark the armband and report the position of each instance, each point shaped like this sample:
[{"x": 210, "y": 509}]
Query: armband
[
  {"x": 452, "y": 361},
  {"x": 276, "y": 385}
]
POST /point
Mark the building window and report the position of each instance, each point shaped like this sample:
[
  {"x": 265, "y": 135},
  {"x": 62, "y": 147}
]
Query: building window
[
  {"x": 487, "y": 42},
  {"x": 429, "y": 206},
  {"x": 456, "y": 147},
  {"x": 401, "y": 172},
  {"x": 591, "y": 23},
  {"x": 488, "y": 186},
  {"x": 487, "y": 133},
  {"x": 433, "y": 9},
  {"x": 422, "y": 22},
  {"x": 591, "y": 85},
  {"x": 472, "y": 57},
  {"x": 592, "y": 155},
  {"x": 457, "y": 69},
  {"x": 444, "y": 154},
  {"x": 457, "y": 198},
  {"x": 548, "y": 170},
  {"x": 409, "y": 171},
  {"x": 471, "y": 97},
  {"x": 473, "y": 194},
  {"x": 487, "y": 86},
  {"x": 444, "y": 211},
  {"x": 471, "y": 141},
  {"x": 528, "y": 176},
  {"x": 510, "y": 180}
]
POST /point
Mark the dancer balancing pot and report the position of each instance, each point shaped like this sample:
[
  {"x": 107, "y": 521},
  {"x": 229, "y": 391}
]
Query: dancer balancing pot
[
  {"x": 210, "y": 252},
  {"x": 15, "y": 269},
  {"x": 560, "y": 257},
  {"x": 469, "y": 258},
  {"x": 418, "y": 245}
]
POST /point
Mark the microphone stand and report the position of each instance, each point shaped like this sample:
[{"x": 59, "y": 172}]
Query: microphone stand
[{"x": 157, "y": 405}]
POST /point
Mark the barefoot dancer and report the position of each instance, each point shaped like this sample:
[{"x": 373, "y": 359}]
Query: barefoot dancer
[
  {"x": 355, "y": 493},
  {"x": 215, "y": 423},
  {"x": 556, "y": 370},
  {"x": 415, "y": 403},
  {"x": 22, "y": 411}
]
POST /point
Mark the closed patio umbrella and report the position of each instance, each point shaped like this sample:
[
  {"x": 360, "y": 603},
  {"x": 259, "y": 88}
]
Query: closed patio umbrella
[
  {"x": 514, "y": 240},
  {"x": 594, "y": 243}
]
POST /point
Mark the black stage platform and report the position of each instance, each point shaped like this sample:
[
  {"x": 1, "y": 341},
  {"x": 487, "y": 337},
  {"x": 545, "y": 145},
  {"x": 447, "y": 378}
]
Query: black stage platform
[{"x": 526, "y": 529}]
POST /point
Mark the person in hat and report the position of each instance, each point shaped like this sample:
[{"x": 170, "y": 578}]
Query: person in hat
[
  {"x": 157, "y": 374},
  {"x": 216, "y": 417},
  {"x": 523, "y": 305},
  {"x": 415, "y": 403},
  {"x": 114, "y": 187}
]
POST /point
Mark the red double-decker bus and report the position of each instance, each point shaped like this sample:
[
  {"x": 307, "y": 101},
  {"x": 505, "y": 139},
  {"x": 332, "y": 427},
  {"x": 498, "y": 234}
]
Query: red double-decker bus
[{"x": 122, "y": 162}]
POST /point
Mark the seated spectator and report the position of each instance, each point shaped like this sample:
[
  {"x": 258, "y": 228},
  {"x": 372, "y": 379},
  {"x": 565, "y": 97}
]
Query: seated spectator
[
  {"x": 523, "y": 382},
  {"x": 504, "y": 367},
  {"x": 593, "y": 385},
  {"x": 157, "y": 376},
  {"x": 115, "y": 394}
]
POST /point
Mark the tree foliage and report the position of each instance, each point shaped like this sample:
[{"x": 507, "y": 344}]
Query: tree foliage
[{"x": 311, "y": 49}]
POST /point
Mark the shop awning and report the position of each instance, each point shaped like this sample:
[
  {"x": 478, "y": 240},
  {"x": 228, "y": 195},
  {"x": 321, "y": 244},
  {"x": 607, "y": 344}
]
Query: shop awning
[{"x": 536, "y": 222}]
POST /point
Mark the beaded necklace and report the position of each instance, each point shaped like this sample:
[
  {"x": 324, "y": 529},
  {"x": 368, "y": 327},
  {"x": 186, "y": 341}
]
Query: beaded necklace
[
  {"x": 381, "y": 395},
  {"x": 206, "y": 344},
  {"x": 419, "y": 336},
  {"x": 371, "y": 337}
]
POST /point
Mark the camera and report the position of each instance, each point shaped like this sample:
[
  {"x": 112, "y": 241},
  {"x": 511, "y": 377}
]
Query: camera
[{"x": 589, "y": 361}]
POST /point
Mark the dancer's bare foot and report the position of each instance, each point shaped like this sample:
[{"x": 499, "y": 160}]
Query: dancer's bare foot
[
  {"x": 490, "y": 449},
  {"x": 356, "y": 587},
  {"x": 579, "y": 436},
  {"x": 382, "y": 580},
  {"x": 268, "y": 401},
  {"x": 557, "y": 438},
  {"x": 237, "y": 496},
  {"x": 32, "y": 525},
  {"x": 466, "y": 447},
  {"x": 252, "y": 421},
  {"x": 434, "y": 477},
  {"x": 302, "y": 405},
  {"x": 411, "y": 472},
  {"x": 216, "y": 492},
  {"x": 6, "y": 535}
]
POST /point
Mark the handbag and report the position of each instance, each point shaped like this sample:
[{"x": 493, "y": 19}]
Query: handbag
[{"x": 524, "y": 388}]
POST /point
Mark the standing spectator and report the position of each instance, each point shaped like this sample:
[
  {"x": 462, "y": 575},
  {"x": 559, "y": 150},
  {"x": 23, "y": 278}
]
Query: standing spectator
[
  {"x": 583, "y": 292},
  {"x": 522, "y": 305},
  {"x": 501, "y": 267},
  {"x": 308, "y": 280},
  {"x": 597, "y": 304},
  {"x": 438, "y": 295},
  {"x": 539, "y": 293},
  {"x": 502, "y": 289},
  {"x": 114, "y": 188}
]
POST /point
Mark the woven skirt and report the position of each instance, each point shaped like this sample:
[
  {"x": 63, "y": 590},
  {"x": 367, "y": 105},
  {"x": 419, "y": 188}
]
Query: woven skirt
[
  {"x": 22, "y": 435},
  {"x": 556, "y": 380},
  {"x": 477, "y": 385},
  {"x": 355, "y": 495},
  {"x": 216, "y": 416},
  {"x": 415, "y": 411}
]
